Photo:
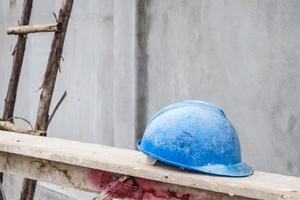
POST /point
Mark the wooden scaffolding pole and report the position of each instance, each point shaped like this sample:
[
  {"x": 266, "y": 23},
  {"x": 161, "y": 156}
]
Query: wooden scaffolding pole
[
  {"x": 33, "y": 29},
  {"x": 18, "y": 55},
  {"x": 42, "y": 121}
]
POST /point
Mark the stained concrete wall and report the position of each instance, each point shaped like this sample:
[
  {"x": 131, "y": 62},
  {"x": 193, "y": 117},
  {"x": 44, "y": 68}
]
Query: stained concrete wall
[
  {"x": 123, "y": 60},
  {"x": 241, "y": 55}
]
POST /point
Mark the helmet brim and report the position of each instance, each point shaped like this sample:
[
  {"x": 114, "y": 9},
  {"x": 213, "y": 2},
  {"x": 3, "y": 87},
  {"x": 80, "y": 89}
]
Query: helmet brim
[{"x": 234, "y": 170}]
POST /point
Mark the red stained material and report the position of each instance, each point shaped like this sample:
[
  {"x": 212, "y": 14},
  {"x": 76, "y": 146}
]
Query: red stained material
[
  {"x": 125, "y": 190},
  {"x": 104, "y": 180},
  {"x": 153, "y": 190},
  {"x": 140, "y": 189},
  {"x": 100, "y": 179}
]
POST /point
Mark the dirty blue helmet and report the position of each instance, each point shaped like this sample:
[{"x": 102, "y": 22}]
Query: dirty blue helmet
[{"x": 194, "y": 135}]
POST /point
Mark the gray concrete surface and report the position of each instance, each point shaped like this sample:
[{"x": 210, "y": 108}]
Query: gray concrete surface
[
  {"x": 123, "y": 60},
  {"x": 241, "y": 55}
]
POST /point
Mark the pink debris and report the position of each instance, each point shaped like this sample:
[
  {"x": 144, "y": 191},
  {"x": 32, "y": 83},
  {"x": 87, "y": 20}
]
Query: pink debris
[
  {"x": 154, "y": 190},
  {"x": 107, "y": 181},
  {"x": 124, "y": 190},
  {"x": 140, "y": 189},
  {"x": 100, "y": 179}
]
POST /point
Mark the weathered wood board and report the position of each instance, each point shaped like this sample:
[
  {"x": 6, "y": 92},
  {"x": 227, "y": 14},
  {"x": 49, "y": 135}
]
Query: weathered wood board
[
  {"x": 92, "y": 180},
  {"x": 72, "y": 164}
]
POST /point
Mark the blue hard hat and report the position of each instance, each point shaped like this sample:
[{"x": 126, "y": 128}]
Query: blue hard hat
[{"x": 194, "y": 135}]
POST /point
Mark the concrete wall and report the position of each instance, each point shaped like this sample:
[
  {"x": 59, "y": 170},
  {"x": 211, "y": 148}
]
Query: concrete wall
[
  {"x": 123, "y": 60},
  {"x": 241, "y": 55}
]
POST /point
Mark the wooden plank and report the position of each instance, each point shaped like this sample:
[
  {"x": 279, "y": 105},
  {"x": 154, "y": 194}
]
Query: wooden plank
[
  {"x": 19, "y": 30},
  {"x": 122, "y": 161},
  {"x": 92, "y": 180}
]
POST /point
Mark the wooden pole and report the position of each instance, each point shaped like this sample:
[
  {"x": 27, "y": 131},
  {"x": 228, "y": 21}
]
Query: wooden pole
[
  {"x": 18, "y": 56},
  {"x": 2, "y": 194},
  {"x": 9, "y": 126},
  {"x": 42, "y": 121},
  {"x": 33, "y": 29}
]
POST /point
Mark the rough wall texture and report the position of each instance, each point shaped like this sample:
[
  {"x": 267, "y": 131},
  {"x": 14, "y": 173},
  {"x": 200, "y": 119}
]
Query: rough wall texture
[
  {"x": 123, "y": 60},
  {"x": 242, "y": 56}
]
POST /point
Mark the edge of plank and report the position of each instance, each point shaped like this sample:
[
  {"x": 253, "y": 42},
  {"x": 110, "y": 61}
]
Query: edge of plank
[{"x": 123, "y": 161}]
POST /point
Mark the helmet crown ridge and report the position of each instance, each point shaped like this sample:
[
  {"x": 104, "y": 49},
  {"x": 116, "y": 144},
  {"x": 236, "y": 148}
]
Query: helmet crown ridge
[{"x": 194, "y": 135}]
